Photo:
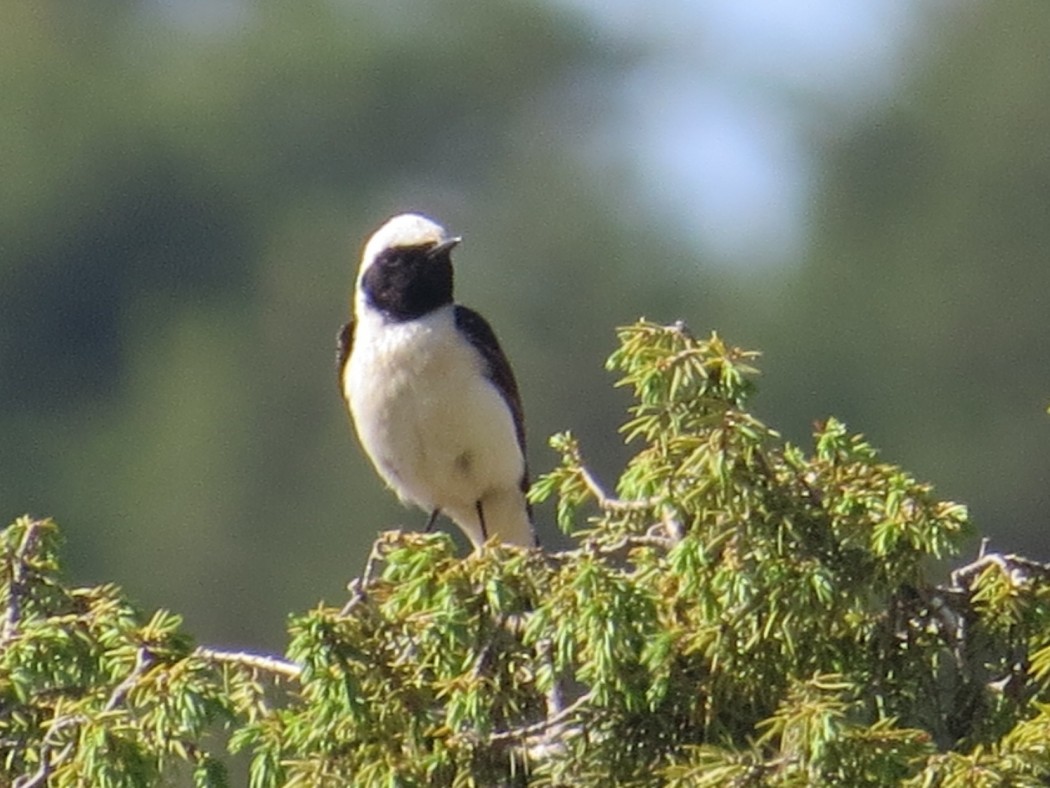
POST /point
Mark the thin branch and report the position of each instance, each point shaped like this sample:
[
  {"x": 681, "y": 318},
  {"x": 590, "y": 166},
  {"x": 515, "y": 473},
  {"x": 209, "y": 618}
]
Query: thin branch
[
  {"x": 1017, "y": 568},
  {"x": 612, "y": 504},
  {"x": 18, "y": 568},
  {"x": 358, "y": 585},
  {"x": 143, "y": 662},
  {"x": 47, "y": 765},
  {"x": 555, "y": 701},
  {"x": 636, "y": 540},
  {"x": 245, "y": 659},
  {"x": 536, "y": 728},
  {"x": 624, "y": 543}
]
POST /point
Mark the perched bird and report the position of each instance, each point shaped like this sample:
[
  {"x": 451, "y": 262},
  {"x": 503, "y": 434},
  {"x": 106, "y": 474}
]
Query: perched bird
[{"x": 430, "y": 392}]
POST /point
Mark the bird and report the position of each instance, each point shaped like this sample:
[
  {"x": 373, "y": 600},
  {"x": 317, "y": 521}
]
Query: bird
[{"x": 430, "y": 392}]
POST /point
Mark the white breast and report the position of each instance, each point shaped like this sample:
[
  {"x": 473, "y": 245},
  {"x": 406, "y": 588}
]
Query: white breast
[{"x": 436, "y": 429}]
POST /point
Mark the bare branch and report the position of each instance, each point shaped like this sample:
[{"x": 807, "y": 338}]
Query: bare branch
[
  {"x": 143, "y": 661},
  {"x": 47, "y": 765},
  {"x": 612, "y": 504},
  {"x": 268, "y": 664},
  {"x": 1017, "y": 568},
  {"x": 358, "y": 585},
  {"x": 543, "y": 726}
]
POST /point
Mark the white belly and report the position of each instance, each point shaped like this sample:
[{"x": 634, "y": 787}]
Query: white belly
[{"x": 437, "y": 431}]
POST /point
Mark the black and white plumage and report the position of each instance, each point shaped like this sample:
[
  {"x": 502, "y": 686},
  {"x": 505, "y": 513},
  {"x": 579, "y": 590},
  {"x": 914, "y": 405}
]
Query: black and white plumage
[{"x": 431, "y": 394}]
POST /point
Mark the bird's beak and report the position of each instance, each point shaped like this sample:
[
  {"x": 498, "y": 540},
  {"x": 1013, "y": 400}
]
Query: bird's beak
[{"x": 443, "y": 246}]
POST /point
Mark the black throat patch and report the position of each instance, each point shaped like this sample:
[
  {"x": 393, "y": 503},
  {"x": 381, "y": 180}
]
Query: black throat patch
[{"x": 408, "y": 282}]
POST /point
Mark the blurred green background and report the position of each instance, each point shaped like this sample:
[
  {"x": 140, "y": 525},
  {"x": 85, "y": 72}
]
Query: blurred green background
[{"x": 864, "y": 195}]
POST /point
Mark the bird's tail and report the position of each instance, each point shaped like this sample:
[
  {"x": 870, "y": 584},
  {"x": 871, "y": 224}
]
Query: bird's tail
[{"x": 506, "y": 516}]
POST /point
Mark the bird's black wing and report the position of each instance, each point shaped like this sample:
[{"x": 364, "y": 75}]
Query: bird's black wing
[
  {"x": 344, "y": 344},
  {"x": 480, "y": 334}
]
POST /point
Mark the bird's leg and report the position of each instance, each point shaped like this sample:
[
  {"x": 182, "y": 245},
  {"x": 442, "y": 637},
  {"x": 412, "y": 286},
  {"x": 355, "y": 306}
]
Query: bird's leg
[
  {"x": 481, "y": 519},
  {"x": 431, "y": 520}
]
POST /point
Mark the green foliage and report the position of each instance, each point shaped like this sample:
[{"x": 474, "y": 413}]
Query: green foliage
[
  {"x": 91, "y": 692},
  {"x": 742, "y": 612}
]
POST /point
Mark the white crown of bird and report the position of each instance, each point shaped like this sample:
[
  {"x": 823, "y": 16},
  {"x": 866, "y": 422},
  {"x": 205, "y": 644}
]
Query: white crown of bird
[{"x": 404, "y": 230}]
